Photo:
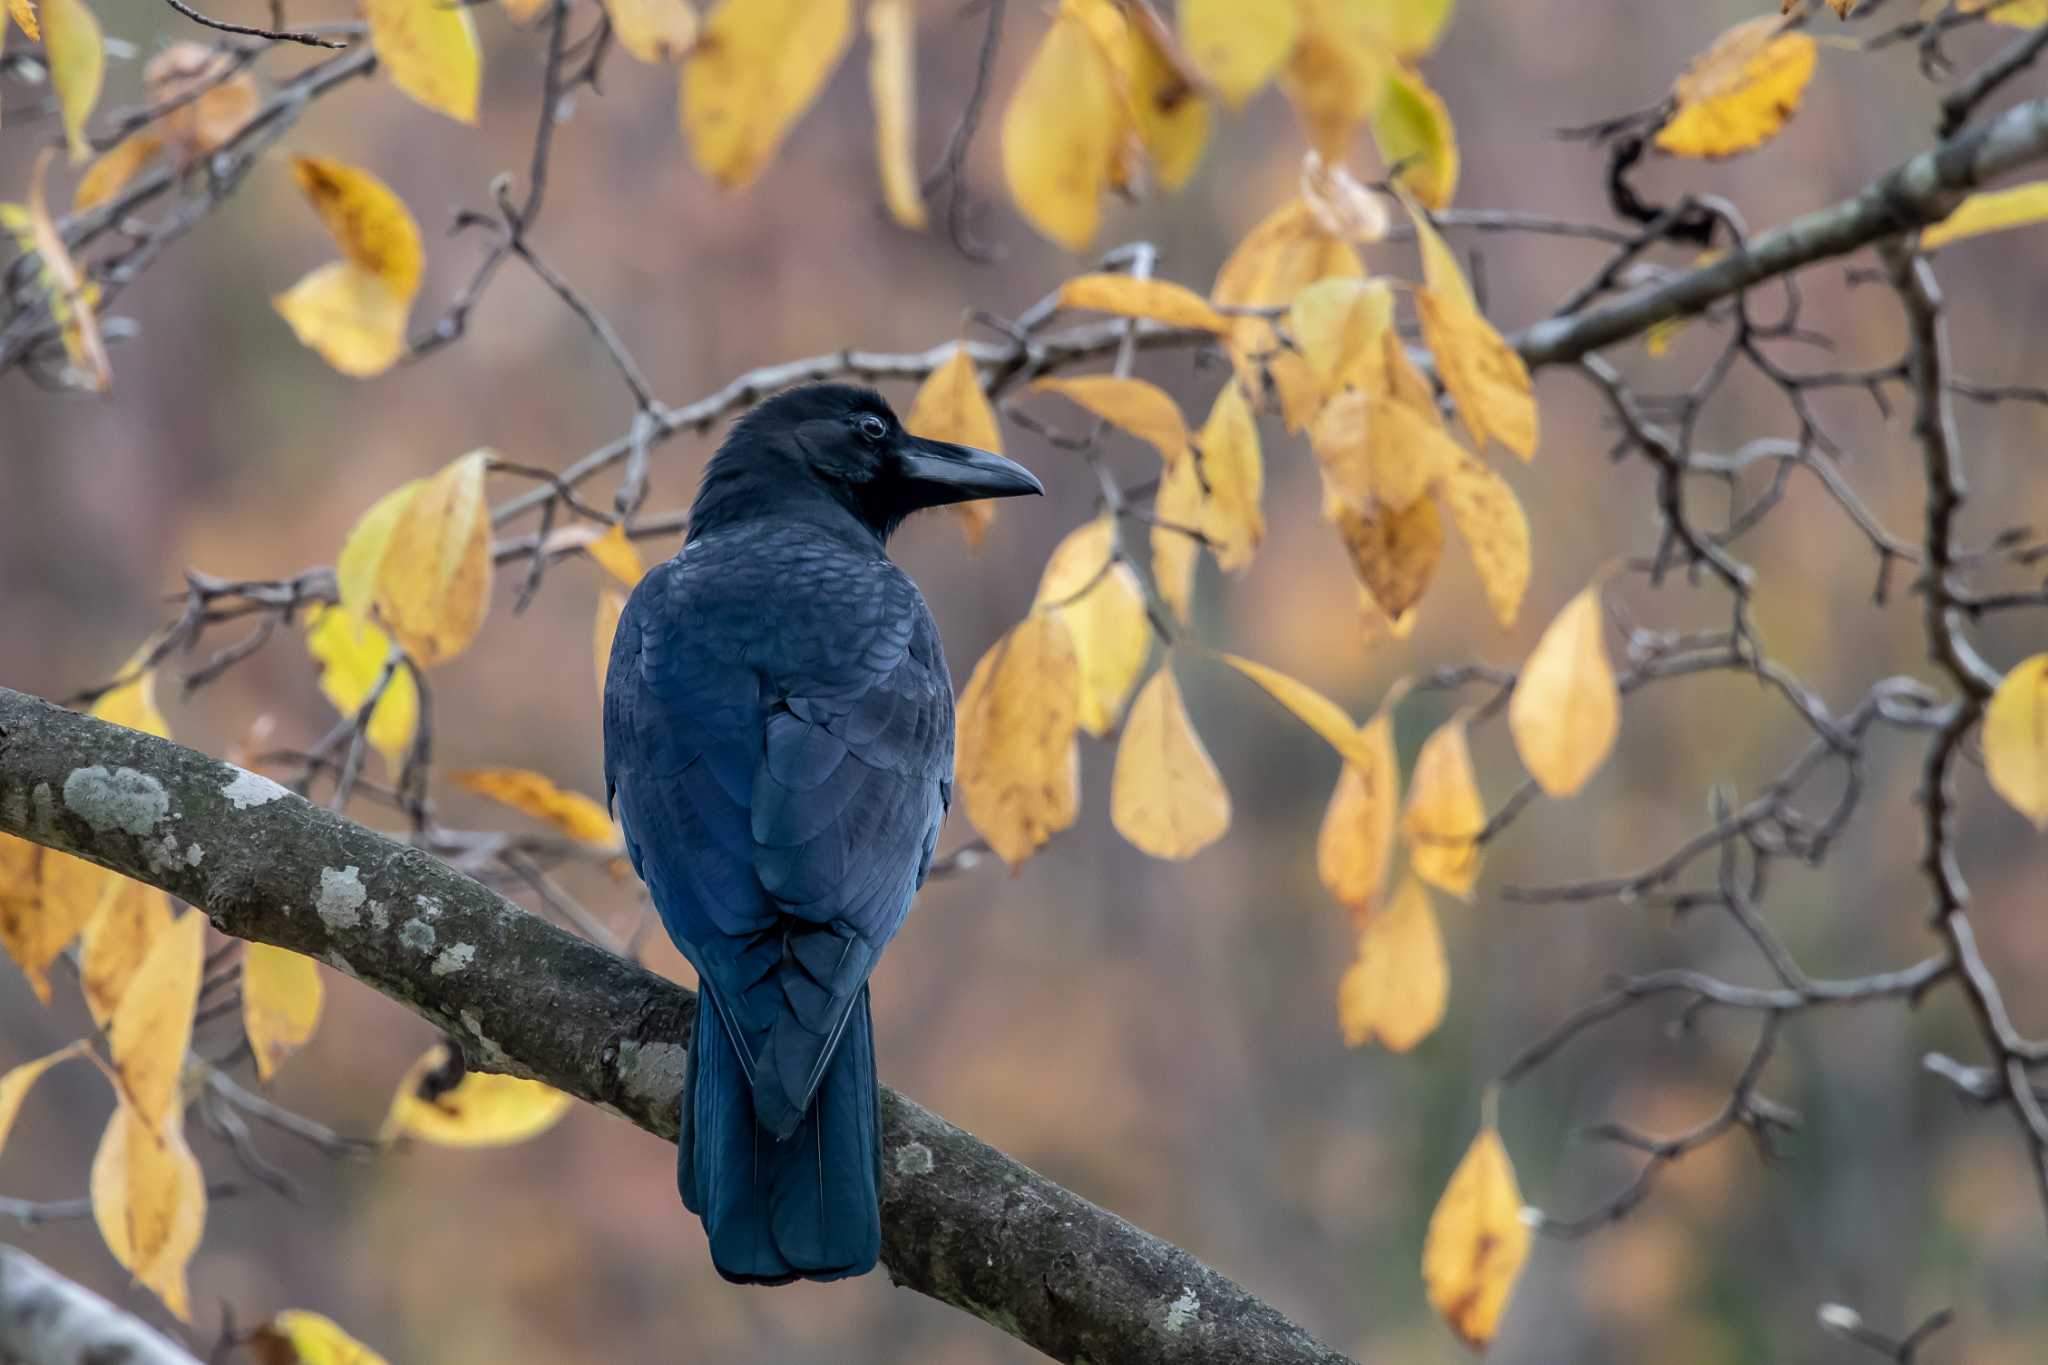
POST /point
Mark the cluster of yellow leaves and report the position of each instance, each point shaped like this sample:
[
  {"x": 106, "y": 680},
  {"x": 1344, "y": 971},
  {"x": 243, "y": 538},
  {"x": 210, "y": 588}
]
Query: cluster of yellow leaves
[
  {"x": 481, "y": 1109},
  {"x": 353, "y": 311},
  {"x": 1740, "y": 92}
]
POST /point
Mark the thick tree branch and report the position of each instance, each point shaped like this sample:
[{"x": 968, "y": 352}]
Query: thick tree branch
[
  {"x": 961, "y": 1221},
  {"x": 45, "y": 1319}
]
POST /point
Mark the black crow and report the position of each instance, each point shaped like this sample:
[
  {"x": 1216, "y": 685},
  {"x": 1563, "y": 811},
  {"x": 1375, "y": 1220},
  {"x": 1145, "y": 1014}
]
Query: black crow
[{"x": 778, "y": 738}]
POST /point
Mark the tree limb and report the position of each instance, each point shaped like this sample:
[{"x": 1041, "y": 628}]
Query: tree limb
[
  {"x": 960, "y": 1221},
  {"x": 45, "y": 1319}
]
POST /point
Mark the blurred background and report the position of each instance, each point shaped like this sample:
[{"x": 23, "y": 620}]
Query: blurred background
[{"x": 1161, "y": 1038}]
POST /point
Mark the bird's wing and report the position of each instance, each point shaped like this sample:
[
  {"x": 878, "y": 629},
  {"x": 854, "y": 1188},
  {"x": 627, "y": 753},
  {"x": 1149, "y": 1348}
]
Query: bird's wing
[{"x": 782, "y": 758}]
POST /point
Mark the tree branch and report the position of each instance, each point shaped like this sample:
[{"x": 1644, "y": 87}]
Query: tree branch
[
  {"x": 45, "y": 1319},
  {"x": 960, "y": 1221}
]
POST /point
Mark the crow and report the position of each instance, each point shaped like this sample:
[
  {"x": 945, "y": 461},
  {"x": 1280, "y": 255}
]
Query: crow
[{"x": 778, "y": 743}]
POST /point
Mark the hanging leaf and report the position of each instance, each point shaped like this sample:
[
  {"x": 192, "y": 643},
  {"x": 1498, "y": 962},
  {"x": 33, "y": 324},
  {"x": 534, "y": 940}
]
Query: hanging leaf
[
  {"x": 1477, "y": 1242},
  {"x": 1485, "y": 376},
  {"x": 1412, "y": 129},
  {"x": 433, "y": 579},
  {"x": 573, "y": 813},
  {"x": 152, "y": 1026},
  {"x": 1336, "y": 325},
  {"x": 1444, "y": 814},
  {"x": 1355, "y": 845},
  {"x": 149, "y": 1199},
  {"x": 1395, "y": 552},
  {"x": 281, "y": 998},
  {"x": 1496, "y": 533},
  {"x": 117, "y": 939},
  {"x": 1740, "y": 92},
  {"x": 1064, "y": 131},
  {"x": 353, "y": 655},
  {"x": 77, "y": 53},
  {"x": 951, "y": 406},
  {"x": 1103, "y": 605},
  {"x": 353, "y": 311},
  {"x": 2016, "y": 739},
  {"x": 892, "y": 86},
  {"x": 758, "y": 65},
  {"x": 430, "y": 49},
  {"x": 482, "y": 1109},
  {"x": 1177, "y": 510},
  {"x": 658, "y": 32},
  {"x": 23, "y": 13},
  {"x": 1238, "y": 46},
  {"x": 15, "y": 1083},
  {"x": 1991, "y": 211},
  {"x": 1566, "y": 709},
  {"x": 46, "y": 898},
  {"x": 1018, "y": 767},
  {"x": 1310, "y": 707},
  {"x": 614, "y": 552},
  {"x": 1142, "y": 409},
  {"x": 296, "y": 1337},
  {"x": 1397, "y": 987},
  {"x": 1160, "y": 300},
  {"x": 1278, "y": 259},
  {"x": 1173, "y": 117},
  {"x": 1378, "y": 453},
  {"x": 1166, "y": 796},
  {"x": 1236, "y": 474},
  {"x": 113, "y": 171}
]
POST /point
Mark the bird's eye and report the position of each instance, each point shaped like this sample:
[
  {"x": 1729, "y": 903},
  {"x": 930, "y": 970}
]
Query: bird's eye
[{"x": 872, "y": 427}]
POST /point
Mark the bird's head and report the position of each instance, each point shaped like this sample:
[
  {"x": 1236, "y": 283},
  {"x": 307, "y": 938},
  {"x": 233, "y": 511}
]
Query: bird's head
[{"x": 840, "y": 444}]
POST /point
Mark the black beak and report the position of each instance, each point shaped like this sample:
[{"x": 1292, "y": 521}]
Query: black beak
[{"x": 939, "y": 472}]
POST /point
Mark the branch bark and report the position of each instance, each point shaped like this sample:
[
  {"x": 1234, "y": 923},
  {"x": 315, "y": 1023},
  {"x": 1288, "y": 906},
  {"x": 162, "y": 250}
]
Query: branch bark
[
  {"x": 45, "y": 1319},
  {"x": 961, "y": 1221}
]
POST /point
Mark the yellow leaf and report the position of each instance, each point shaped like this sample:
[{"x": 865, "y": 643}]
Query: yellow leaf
[
  {"x": 1566, "y": 709},
  {"x": 1018, "y": 764},
  {"x": 1379, "y": 453},
  {"x": 1278, "y": 259},
  {"x": 1394, "y": 550},
  {"x": 1178, "y": 510},
  {"x": 1103, "y": 605},
  {"x": 1173, "y": 117},
  {"x": 1444, "y": 815},
  {"x": 1440, "y": 269},
  {"x": 1166, "y": 797},
  {"x": 1142, "y": 409},
  {"x": 24, "y": 14},
  {"x": 2016, "y": 739},
  {"x": 1336, "y": 325},
  {"x": 133, "y": 703},
  {"x": 1485, "y": 376},
  {"x": 1355, "y": 846},
  {"x": 612, "y": 550},
  {"x": 309, "y": 1339},
  {"x": 352, "y": 655},
  {"x": 654, "y": 31},
  {"x": 483, "y": 1109},
  {"x": 149, "y": 1199},
  {"x": 1408, "y": 27},
  {"x": 109, "y": 175},
  {"x": 221, "y": 107},
  {"x": 1412, "y": 129},
  {"x": 1063, "y": 132},
  {"x": 1992, "y": 211},
  {"x": 1333, "y": 78},
  {"x": 1477, "y": 1242},
  {"x": 1162, "y": 301},
  {"x": 757, "y": 66},
  {"x": 1309, "y": 706},
  {"x": 77, "y": 53},
  {"x": 1489, "y": 517},
  {"x": 573, "y": 813},
  {"x": 611, "y": 603},
  {"x": 1238, "y": 45},
  {"x": 281, "y": 995},
  {"x": 950, "y": 406},
  {"x": 892, "y": 86},
  {"x": 1236, "y": 475},
  {"x": 1739, "y": 92},
  {"x": 14, "y": 1085},
  {"x": 152, "y": 1025},
  {"x": 430, "y": 49},
  {"x": 72, "y": 297},
  {"x": 46, "y": 898},
  {"x": 2012, "y": 13},
  {"x": 353, "y": 311},
  {"x": 362, "y": 554},
  {"x": 434, "y": 577},
  {"x": 130, "y": 919},
  {"x": 1397, "y": 987}
]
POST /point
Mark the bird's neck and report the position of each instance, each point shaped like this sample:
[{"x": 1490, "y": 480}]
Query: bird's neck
[{"x": 733, "y": 494}]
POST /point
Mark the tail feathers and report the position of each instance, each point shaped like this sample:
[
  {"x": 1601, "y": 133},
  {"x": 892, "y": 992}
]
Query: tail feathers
[{"x": 802, "y": 1207}]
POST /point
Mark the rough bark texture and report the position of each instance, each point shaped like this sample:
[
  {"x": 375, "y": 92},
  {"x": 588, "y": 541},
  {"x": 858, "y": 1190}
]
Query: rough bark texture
[
  {"x": 45, "y": 1319},
  {"x": 960, "y": 1221}
]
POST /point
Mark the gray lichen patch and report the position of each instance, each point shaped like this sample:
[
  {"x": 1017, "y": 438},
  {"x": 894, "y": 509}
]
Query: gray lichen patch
[
  {"x": 913, "y": 1158},
  {"x": 417, "y": 935},
  {"x": 340, "y": 902},
  {"x": 454, "y": 959},
  {"x": 651, "y": 1073},
  {"x": 118, "y": 798},
  {"x": 248, "y": 789},
  {"x": 194, "y": 855},
  {"x": 1182, "y": 1311}
]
